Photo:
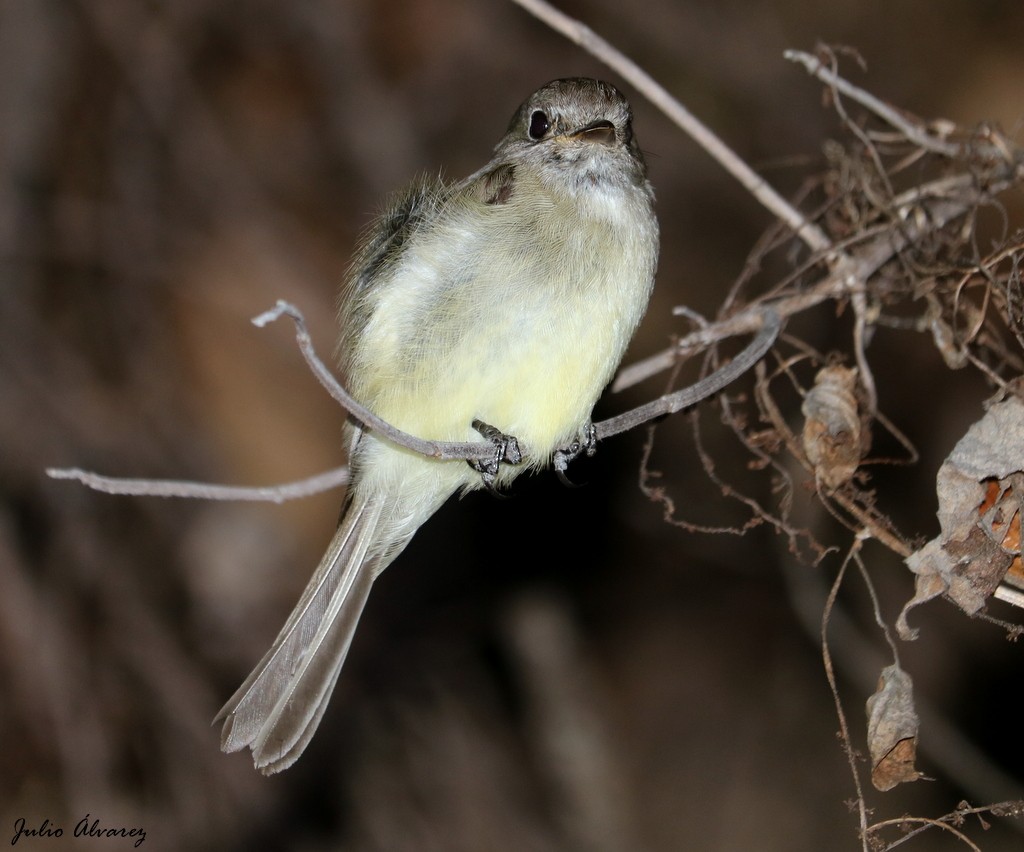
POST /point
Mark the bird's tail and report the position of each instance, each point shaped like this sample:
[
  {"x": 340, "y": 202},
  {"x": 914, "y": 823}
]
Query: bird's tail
[{"x": 277, "y": 710}]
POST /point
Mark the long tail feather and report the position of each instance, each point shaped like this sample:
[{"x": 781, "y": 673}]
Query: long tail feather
[{"x": 277, "y": 710}]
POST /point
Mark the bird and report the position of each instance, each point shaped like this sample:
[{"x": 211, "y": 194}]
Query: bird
[{"x": 499, "y": 305}]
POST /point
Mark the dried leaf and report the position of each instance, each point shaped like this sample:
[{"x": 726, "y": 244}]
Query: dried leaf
[
  {"x": 1002, "y": 506},
  {"x": 980, "y": 488},
  {"x": 833, "y": 435},
  {"x": 892, "y": 730}
]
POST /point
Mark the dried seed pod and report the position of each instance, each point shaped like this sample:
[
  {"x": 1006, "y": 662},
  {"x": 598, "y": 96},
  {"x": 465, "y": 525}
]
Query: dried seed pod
[
  {"x": 834, "y": 436},
  {"x": 892, "y": 730}
]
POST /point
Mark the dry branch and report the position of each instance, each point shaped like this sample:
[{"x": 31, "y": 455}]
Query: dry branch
[{"x": 447, "y": 450}]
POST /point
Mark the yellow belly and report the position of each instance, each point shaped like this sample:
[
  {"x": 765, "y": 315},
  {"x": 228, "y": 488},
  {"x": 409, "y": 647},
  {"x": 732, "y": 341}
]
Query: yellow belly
[{"x": 514, "y": 317}]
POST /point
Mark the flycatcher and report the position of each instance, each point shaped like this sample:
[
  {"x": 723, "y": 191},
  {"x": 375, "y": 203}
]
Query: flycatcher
[{"x": 500, "y": 305}]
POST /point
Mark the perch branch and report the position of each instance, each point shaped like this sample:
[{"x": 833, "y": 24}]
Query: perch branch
[
  {"x": 442, "y": 450},
  {"x": 768, "y": 330}
]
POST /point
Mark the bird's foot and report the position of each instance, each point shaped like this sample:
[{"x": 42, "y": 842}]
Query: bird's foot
[
  {"x": 585, "y": 444},
  {"x": 506, "y": 449}
]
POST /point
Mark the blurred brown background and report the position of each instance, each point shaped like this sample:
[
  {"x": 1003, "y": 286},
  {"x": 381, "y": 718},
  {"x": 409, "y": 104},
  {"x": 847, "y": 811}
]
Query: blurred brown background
[{"x": 559, "y": 670}]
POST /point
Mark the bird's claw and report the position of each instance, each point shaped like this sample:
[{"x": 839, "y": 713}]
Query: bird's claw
[
  {"x": 585, "y": 444},
  {"x": 506, "y": 449}
]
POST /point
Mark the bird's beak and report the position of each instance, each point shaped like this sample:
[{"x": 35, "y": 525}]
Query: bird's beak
[{"x": 602, "y": 132}]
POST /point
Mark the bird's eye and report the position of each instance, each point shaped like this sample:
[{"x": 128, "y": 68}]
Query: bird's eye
[{"x": 539, "y": 124}]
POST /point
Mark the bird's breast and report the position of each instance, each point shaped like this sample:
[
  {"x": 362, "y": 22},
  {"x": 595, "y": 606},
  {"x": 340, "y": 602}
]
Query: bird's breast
[{"x": 515, "y": 314}]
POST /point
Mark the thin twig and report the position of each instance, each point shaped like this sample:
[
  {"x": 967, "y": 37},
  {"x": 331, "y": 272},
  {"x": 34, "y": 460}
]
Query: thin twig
[
  {"x": 204, "y": 490},
  {"x": 579, "y": 33},
  {"x": 910, "y": 129},
  {"x": 830, "y": 675},
  {"x": 942, "y": 201},
  {"x": 867, "y": 378},
  {"x": 924, "y": 824},
  {"x": 701, "y": 390},
  {"x": 876, "y": 605}
]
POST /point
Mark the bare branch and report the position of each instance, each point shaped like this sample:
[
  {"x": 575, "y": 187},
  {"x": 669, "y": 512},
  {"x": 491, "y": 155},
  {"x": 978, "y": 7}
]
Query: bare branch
[
  {"x": 923, "y": 823},
  {"x": 940, "y": 202},
  {"x": 442, "y": 450},
  {"x": 909, "y": 129},
  {"x": 204, "y": 490},
  {"x": 706, "y": 387},
  {"x": 830, "y": 674}
]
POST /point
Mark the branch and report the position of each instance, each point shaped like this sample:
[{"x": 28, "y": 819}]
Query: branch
[
  {"x": 203, "y": 490},
  {"x": 909, "y": 129},
  {"x": 688, "y": 397},
  {"x": 767, "y": 324},
  {"x": 940, "y": 201},
  {"x": 441, "y": 450},
  {"x": 581, "y": 34}
]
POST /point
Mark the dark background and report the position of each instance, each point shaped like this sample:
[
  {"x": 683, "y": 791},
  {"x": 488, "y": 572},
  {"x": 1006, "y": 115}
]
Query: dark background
[{"x": 558, "y": 670}]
